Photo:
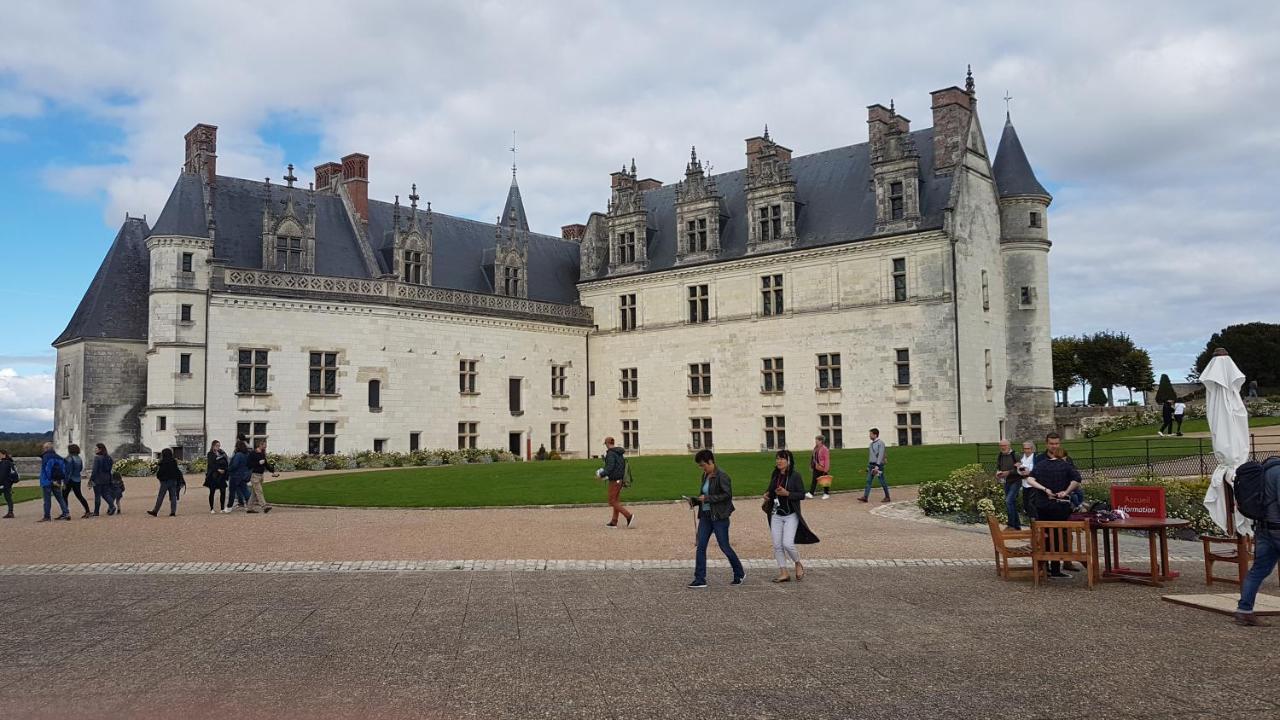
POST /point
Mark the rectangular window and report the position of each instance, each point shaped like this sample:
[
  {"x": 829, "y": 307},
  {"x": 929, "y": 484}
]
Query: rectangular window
[
  {"x": 626, "y": 247},
  {"x": 909, "y": 429},
  {"x": 831, "y": 427},
  {"x": 252, "y": 376},
  {"x": 700, "y": 379},
  {"x": 771, "y": 295},
  {"x": 695, "y": 235},
  {"x": 771, "y": 372},
  {"x": 558, "y": 378},
  {"x": 1034, "y": 220},
  {"x": 66, "y": 381},
  {"x": 899, "y": 279},
  {"x": 630, "y": 383},
  {"x": 902, "y": 364},
  {"x": 627, "y": 307},
  {"x": 630, "y": 434},
  {"x": 511, "y": 281},
  {"x": 987, "y": 362},
  {"x": 252, "y": 432},
  {"x": 591, "y": 388},
  {"x": 324, "y": 373},
  {"x": 186, "y": 261},
  {"x": 322, "y": 438},
  {"x": 184, "y": 313},
  {"x": 288, "y": 253},
  {"x": 896, "y": 205},
  {"x": 514, "y": 396},
  {"x": 699, "y": 304},
  {"x": 184, "y": 364},
  {"x": 700, "y": 433},
  {"x": 379, "y": 445},
  {"x": 986, "y": 293},
  {"x": 162, "y": 422},
  {"x": 770, "y": 223},
  {"x": 559, "y": 436},
  {"x": 415, "y": 441},
  {"x": 1026, "y": 296},
  {"x": 775, "y": 432},
  {"x": 412, "y": 267},
  {"x": 829, "y": 371},
  {"x": 467, "y": 377},
  {"x": 467, "y": 433}
]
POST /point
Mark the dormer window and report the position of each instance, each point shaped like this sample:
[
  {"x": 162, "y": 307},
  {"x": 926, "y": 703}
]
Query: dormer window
[
  {"x": 511, "y": 281},
  {"x": 896, "y": 201},
  {"x": 288, "y": 253},
  {"x": 770, "y": 223},
  {"x": 412, "y": 264},
  {"x": 626, "y": 247},
  {"x": 696, "y": 235}
]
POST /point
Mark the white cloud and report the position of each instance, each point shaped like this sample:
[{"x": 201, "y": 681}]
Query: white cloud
[
  {"x": 1157, "y": 127},
  {"x": 26, "y": 401}
]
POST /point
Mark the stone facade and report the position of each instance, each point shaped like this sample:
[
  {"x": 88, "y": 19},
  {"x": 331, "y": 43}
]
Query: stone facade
[{"x": 100, "y": 392}]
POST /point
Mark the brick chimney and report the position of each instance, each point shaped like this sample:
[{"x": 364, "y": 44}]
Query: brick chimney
[
  {"x": 202, "y": 152},
  {"x": 952, "y": 111},
  {"x": 760, "y": 146},
  {"x": 327, "y": 175},
  {"x": 881, "y": 123},
  {"x": 648, "y": 184},
  {"x": 574, "y": 232},
  {"x": 355, "y": 177}
]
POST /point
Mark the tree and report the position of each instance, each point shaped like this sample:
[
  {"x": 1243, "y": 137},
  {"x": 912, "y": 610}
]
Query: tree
[
  {"x": 1137, "y": 371},
  {"x": 1065, "y": 365},
  {"x": 1255, "y": 348},
  {"x": 1166, "y": 391},
  {"x": 1097, "y": 396},
  {"x": 1102, "y": 357}
]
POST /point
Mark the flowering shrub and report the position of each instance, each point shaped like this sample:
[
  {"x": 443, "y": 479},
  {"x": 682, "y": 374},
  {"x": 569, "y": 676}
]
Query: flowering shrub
[
  {"x": 142, "y": 466},
  {"x": 135, "y": 467},
  {"x": 960, "y": 493},
  {"x": 1093, "y": 427},
  {"x": 198, "y": 465}
]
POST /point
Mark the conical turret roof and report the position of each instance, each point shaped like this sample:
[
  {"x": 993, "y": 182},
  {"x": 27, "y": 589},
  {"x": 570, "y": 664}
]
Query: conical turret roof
[
  {"x": 115, "y": 305},
  {"x": 1013, "y": 173},
  {"x": 513, "y": 214}
]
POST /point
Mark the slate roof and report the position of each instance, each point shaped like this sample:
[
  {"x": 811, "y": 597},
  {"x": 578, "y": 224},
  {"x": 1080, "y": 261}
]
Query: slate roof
[
  {"x": 115, "y": 305},
  {"x": 833, "y": 190},
  {"x": 1011, "y": 169},
  {"x": 513, "y": 212}
]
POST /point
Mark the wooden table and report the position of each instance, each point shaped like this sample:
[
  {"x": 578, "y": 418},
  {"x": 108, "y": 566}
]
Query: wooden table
[{"x": 1157, "y": 530}]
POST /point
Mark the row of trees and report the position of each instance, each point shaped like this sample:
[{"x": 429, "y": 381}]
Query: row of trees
[{"x": 1101, "y": 362}]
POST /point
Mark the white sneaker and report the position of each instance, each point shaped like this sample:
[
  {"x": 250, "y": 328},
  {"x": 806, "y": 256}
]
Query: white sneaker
[
  {"x": 808, "y": 496},
  {"x": 1160, "y": 433},
  {"x": 226, "y": 510},
  {"x": 826, "y": 496},
  {"x": 213, "y": 512}
]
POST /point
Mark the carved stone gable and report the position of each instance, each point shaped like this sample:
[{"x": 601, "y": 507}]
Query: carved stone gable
[
  {"x": 628, "y": 222},
  {"x": 288, "y": 234},
  {"x": 771, "y": 196},
  {"x": 511, "y": 261},
  {"x": 412, "y": 246},
  {"x": 699, "y": 214}
]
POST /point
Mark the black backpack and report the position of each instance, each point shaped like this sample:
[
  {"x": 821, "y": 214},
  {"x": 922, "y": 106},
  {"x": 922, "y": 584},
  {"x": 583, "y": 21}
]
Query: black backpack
[
  {"x": 1250, "y": 489},
  {"x": 57, "y": 473}
]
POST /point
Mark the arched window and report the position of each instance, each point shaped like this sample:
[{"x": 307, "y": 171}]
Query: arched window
[{"x": 375, "y": 394}]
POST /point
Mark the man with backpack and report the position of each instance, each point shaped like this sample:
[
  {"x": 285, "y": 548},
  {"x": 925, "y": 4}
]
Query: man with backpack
[
  {"x": 1257, "y": 494},
  {"x": 615, "y": 473},
  {"x": 53, "y": 475}
]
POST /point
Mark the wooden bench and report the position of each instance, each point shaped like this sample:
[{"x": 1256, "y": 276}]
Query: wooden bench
[{"x": 1000, "y": 538}]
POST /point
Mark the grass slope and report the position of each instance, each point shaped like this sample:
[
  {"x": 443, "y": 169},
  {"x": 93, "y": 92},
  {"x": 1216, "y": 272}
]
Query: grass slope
[{"x": 1189, "y": 426}]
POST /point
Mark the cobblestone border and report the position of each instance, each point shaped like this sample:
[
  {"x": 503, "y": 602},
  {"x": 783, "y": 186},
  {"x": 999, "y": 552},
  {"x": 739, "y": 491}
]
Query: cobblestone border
[{"x": 410, "y": 566}]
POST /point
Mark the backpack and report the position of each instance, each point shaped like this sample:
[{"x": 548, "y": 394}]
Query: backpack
[
  {"x": 13, "y": 474},
  {"x": 1250, "y": 490},
  {"x": 57, "y": 472},
  {"x": 626, "y": 476}
]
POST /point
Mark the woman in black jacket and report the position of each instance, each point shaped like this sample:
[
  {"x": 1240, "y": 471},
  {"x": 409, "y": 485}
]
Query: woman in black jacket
[
  {"x": 100, "y": 480},
  {"x": 170, "y": 476},
  {"x": 785, "y": 492},
  {"x": 6, "y": 480},
  {"x": 215, "y": 476}
]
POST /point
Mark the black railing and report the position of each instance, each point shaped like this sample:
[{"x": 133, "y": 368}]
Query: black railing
[{"x": 1136, "y": 457}]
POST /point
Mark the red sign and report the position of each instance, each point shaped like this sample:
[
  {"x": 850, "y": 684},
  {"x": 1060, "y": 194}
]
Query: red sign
[{"x": 1138, "y": 500}]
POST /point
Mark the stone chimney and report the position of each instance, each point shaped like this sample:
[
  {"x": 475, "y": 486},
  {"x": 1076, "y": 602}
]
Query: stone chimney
[
  {"x": 355, "y": 178},
  {"x": 327, "y": 175},
  {"x": 952, "y": 111},
  {"x": 761, "y": 147},
  {"x": 202, "y": 152},
  {"x": 574, "y": 232}
]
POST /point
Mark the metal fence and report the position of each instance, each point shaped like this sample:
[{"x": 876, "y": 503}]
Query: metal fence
[{"x": 1137, "y": 457}]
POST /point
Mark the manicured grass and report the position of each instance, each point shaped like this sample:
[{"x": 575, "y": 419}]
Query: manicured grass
[
  {"x": 664, "y": 477},
  {"x": 1188, "y": 426},
  {"x": 24, "y": 492}
]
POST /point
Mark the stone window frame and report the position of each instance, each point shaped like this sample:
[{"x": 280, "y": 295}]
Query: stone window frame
[
  {"x": 699, "y": 303},
  {"x": 701, "y": 435},
  {"x": 910, "y": 429},
  {"x": 630, "y": 434},
  {"x": 186, "y": 263},
  {"x": 831, "y": 427},
  {"x": 772, "y": 375},
  {"x": 375, "y": 394},
  {"x": 322, "y": 373},
  {"x": 322, "y": 437},
  {"x": 987, "y": 371},
  {"x": 511, "y": 281},
  {"x": 697, "y": 235},
  {"x": 1027, "y": 297},
  {"x": 827, "y": 372},
  {"x": 897, "y": 197},
  {"x": 467, "y": 374},
  {"x": 625, "y": 243},
  {"x": 986, "y": 292},
  {"x": 380, "y": 445},
  {"x": 769, "y": 220},
  {"x": 700, "y": 379},
  {"x": 253, "y": 430},
  {"x": 1034, "y": 220},
  {"x": 898, "y": 275},
  {"x": 775, "y": 432},
  {"x": 559, "y": 380},
  {"x": 772, "y": 294},
  {"x": 185, "y": 314},
  {"x": 412, "y": 267},
  {"x": 162, "y": 423},
  {"x": 627, "y": 313},
  {"x": 706, "y": 217},
  {"x": 468, "y": 434},
  {"x": 630, "y": 384},
  {"x": 902, "y": 367},
  {"x": 66, "y": 380},
  {"x": 559, "y": 436},
  {"x": 184, "y": 364},
  {"x": 295, "y": 252},
  {"x": 258, "y": 365},
  {"x": 415, "y": 441}
]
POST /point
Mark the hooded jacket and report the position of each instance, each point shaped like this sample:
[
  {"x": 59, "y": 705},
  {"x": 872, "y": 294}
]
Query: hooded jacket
[
  {"x": 615, "y": 466},
  {"x": 46, "y": 468}
]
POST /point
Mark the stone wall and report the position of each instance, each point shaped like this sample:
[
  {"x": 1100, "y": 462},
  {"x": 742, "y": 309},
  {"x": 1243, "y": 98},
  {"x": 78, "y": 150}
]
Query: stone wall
[
  {"x": 106, "y": 394},
  {"x": 1068, "y": 421}
]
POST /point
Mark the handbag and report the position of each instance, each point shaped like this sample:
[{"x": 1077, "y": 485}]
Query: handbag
[{"x": 825, "y": 480}]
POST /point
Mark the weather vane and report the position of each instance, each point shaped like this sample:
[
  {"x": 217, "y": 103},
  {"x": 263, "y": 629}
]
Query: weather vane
[
  {"x": 513, "y": 154},
  {"x": 1007, "y": 98}
]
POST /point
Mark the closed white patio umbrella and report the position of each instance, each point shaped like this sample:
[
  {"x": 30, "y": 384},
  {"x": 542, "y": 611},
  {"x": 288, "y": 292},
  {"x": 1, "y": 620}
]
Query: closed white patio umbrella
[{"x": 1229, "y": 425}]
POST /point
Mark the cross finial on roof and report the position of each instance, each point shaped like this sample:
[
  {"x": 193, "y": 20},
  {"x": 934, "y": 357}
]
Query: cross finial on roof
[
  {"x": 968, "y": 79},
  {"x": 513, "y": 155},
  {"x": 290, "y": 178},
  {"x": 413, "y": 197},
  {"x": 1007, "y": 98}
]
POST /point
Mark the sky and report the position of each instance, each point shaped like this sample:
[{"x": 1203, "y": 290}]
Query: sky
[{"x": 1153, "y": 125}]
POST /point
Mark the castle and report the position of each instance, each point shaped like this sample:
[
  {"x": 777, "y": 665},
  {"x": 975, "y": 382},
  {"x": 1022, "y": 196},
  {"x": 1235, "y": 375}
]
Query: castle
[{"x": 900, "y": 282}]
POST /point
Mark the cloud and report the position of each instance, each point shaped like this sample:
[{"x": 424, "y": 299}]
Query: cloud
[
  {"x": 26, "y": 401},
  {"x": 1154, "y": 128}
]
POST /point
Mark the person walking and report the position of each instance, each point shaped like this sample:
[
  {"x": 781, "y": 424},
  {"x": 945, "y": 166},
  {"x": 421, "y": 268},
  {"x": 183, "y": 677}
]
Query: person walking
[
  {"x": 1179, "y": 411},
  {"x": 1266, "y": 544},
  {"x": 8, "y": 476},
  {"x": 238, "y": 476},
  {"x": 875, "y": 466},
  {"x": 1253, "y": 388},
  {"x": 215, "y": 476},
  {"x": 1054, "y": 480},
  {"x": 170, "y": 477},
  {"x": 782, "y": 499},
  {"x": 614, "y": 473},
  {"x": 715, "y": 505},
  {"x": 1166, "y": 417},
  {"x": 53, "y": 472},
  {"x": 75, "y": 473},
  {"x": 820, "y": 464},
  {"x": 100, "y": 481},
  {"x": 1006, "y": 464},
  {"x": 258, "y": 466}
]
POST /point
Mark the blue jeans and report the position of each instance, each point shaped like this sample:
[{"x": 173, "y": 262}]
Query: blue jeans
[
  {"x": 1077, "y": 498},
  {"x": 49, "y": 492},
  {"x": 1266, "y": 551},
  {"x": 871, "y": 477},
  {"x": 1011, "y": 493},
  {"x": 720, "y": 528},
  {"x": 104, "y": 492}
]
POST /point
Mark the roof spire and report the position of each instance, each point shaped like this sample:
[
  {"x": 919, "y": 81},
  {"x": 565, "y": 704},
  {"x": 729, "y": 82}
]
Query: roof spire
[
  {"x": 633, "y": 167},
  {"x": 892, "y": 110},
  {"x": 693, "y": 154},
  {"x": 290, "y": 178},
  {"x": 766, "y": 131},
  {"x": 395, "y": 215},
  {"x": 968, "y": 79},
  {"x": 1007, "y": 98},
  {"x": 413, "y": 196},
  {"x": 513, "y": 157}
]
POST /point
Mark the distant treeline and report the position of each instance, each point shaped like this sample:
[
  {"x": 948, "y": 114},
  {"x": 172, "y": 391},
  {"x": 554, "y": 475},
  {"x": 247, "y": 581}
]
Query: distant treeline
[
  {"x": 24, "y": 444},
  {"x": 32, "y": 437}
]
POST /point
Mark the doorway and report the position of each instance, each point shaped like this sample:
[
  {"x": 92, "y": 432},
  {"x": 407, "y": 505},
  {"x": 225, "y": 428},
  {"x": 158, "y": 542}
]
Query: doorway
[{"x": 514, "y": 442}]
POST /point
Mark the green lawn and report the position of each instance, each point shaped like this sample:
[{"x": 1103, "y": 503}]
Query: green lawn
[
  {"x": 665, "y": 477},
  {"x": 24, "y": 492},
  {"x": 1189, "y": 426}
]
